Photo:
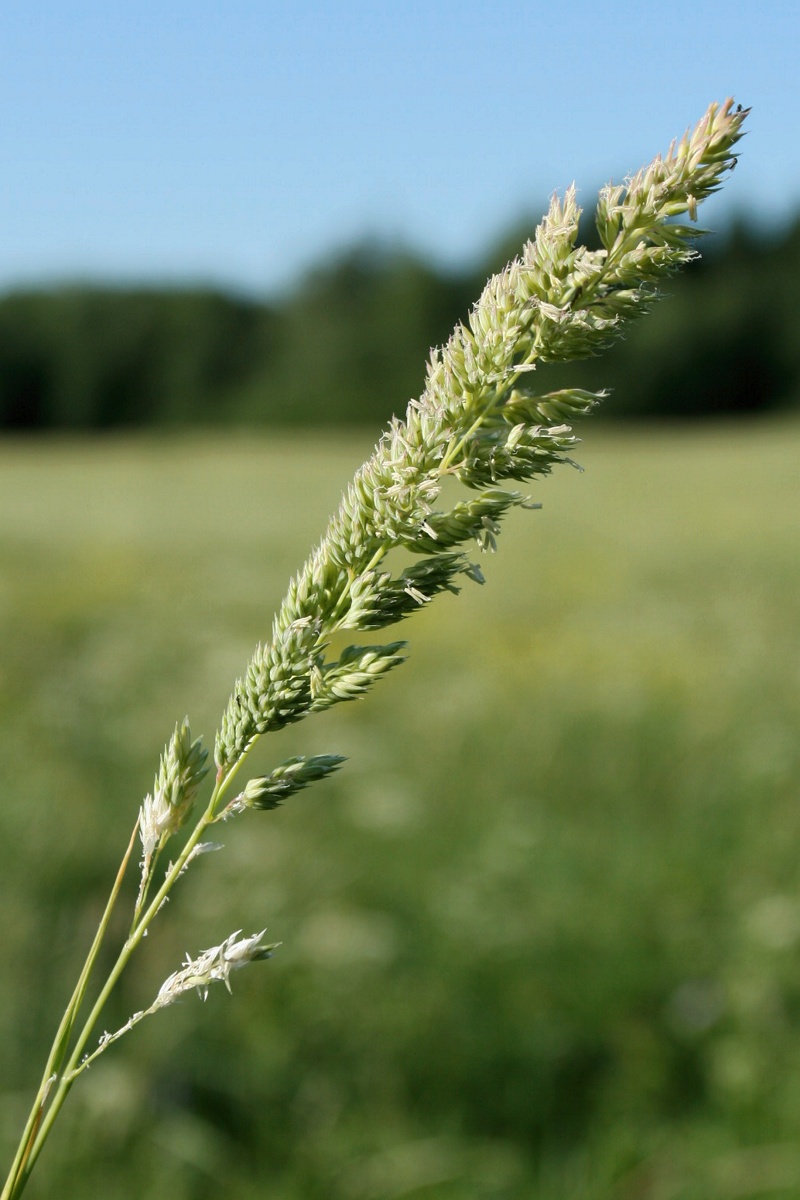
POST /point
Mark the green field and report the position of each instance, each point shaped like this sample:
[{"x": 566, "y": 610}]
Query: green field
[{"x": 541, "y": 935}]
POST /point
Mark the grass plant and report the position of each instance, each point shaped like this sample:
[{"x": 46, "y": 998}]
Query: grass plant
[{"x": 393, "y": 545}]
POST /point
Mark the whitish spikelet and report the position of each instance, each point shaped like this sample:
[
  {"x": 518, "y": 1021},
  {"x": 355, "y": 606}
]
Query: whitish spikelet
[
  {"x": 212, "y": 966},
  {"x": 180, "y": 773}
]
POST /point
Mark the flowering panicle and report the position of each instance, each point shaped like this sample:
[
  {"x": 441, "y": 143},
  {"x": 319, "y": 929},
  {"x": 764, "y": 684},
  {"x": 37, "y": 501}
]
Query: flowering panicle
[{"x": 480, "y": 420}]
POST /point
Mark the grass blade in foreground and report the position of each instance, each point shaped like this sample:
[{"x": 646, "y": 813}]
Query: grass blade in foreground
[{"x": 479, "y": 421}]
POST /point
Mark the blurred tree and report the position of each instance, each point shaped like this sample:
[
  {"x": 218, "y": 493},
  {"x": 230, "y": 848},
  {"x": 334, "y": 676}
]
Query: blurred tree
[
  {"x": 348, "y": 345},
  {"x": 100, "y": 358},
  {"x": 354, "y": 338}
]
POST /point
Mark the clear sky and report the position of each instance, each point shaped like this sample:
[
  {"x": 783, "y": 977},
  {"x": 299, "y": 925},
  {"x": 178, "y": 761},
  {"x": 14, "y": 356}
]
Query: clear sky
[{"x": 238, "y": 142}]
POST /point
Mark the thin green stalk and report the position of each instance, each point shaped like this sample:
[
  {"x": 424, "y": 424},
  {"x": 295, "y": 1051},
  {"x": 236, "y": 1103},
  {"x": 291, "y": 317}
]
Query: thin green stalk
[
  {"x": 38, "y": 1126},
  {"x": 73, "y": 1067},
  {"x": 41, "y": 1126},
  {"x": 60, "y": 1044}
]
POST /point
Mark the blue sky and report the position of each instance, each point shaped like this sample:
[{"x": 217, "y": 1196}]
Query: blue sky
[{"x": 238, "y": 143}]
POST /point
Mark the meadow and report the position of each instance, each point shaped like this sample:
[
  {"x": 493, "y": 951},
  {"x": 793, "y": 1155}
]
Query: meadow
[{"x": 541, "y": 934}]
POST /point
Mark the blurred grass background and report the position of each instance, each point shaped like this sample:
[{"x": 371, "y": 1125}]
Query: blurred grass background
[{"x": 540, "y": 935}]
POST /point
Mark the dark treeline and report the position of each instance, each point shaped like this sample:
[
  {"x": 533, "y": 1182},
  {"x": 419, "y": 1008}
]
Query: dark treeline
[{"x": 349, "y": 344}]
